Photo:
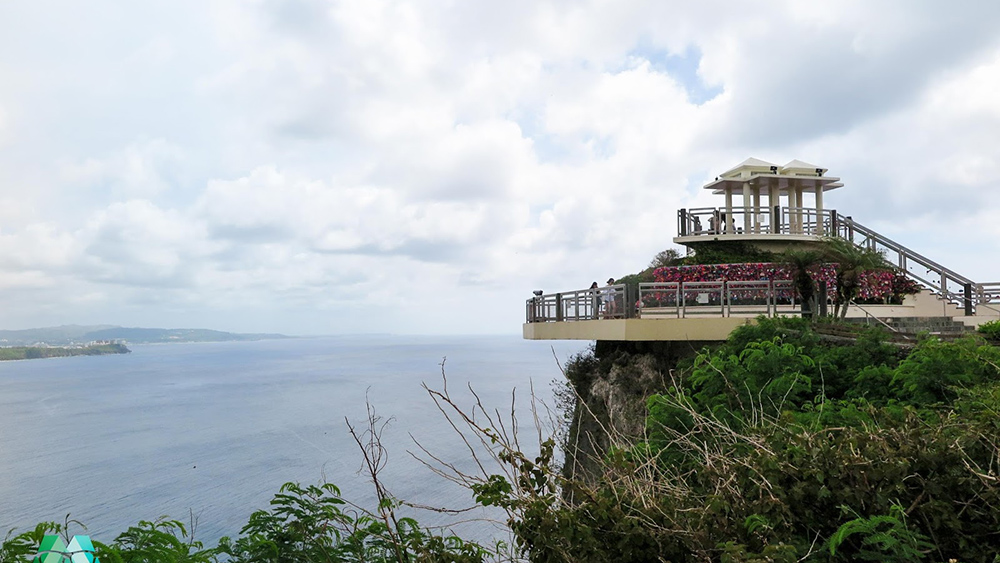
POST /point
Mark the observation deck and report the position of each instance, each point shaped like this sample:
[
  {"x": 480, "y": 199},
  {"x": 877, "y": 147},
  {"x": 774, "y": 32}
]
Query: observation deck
[
  {"x": 793, "y": 215},
  {"x": 794, "y": 212}
]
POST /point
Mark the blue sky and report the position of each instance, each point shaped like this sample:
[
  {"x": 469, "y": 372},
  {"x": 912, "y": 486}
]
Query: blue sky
[{"x": 321, "y": 166}]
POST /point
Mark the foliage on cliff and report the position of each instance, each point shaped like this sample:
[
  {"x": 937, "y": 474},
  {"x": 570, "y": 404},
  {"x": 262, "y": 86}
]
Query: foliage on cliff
[{"x": 779, "y": 446}]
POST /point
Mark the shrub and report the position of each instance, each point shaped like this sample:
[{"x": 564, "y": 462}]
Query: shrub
[{"x": 990, "y": 330}]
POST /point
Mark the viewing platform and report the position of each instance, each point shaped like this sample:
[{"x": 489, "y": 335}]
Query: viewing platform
[{"x": 792, "y": 217}]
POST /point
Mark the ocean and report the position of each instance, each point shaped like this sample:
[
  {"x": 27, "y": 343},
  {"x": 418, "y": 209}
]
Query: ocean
[{"x": 210, "y": 431}]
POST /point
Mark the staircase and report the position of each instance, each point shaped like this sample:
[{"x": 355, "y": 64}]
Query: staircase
[
  {"x": 938, "y": 326},
  {"x": 968, "y": 298}
]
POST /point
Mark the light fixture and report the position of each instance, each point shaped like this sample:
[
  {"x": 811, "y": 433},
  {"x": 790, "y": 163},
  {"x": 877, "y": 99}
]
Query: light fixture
[
  {"x": 819, "y": 171},
  {"x": 537, "y": 292},
  {"x": 774, "y": 170}
]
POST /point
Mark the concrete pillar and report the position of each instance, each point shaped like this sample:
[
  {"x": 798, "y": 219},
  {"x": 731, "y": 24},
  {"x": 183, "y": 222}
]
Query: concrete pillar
[
  {"x": 756, "y": 208},
  {"x": 799, "y": 204},
  {"x": 819, "y": 211},
  {"x": 747, "y": 212},
  {"x": 773, "y": 204},
  {"x": 728, "y": 219},
  {"x": 792, "y": 204}
]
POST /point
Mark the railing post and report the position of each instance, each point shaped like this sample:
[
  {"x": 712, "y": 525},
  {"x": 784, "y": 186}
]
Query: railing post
[
  {"x": 682, "y": 227},
  {"x": 682, "y": 302},
  {"x": 770, "y": 297},
  {"x": 776, "y": 220},
  {"x": 678, "y": 296},
  {"x": 725, "y": 298},
  {"x": 821, "y": 298},
  {"x": 559, "y": 311},
  {"x": 834, "y": 224},
  {"x": 968, "y": 300}
]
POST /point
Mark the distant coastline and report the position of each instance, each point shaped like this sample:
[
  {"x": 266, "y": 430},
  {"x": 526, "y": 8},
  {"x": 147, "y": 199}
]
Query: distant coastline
[
  {"x": 38, "y": 352},
  {"x": 77, "y": 336}
]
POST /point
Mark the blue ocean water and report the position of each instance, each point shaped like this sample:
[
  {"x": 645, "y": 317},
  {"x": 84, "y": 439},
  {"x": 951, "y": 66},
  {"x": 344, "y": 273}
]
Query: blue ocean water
[{"x": 214, "y": 429}]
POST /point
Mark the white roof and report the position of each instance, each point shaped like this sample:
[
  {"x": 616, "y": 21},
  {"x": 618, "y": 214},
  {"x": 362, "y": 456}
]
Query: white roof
[
  {"x": 749, "y": 164},
  {"x": 799, "y": 167}
]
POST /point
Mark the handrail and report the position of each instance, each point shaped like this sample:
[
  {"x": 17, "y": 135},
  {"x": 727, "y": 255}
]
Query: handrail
[
  {"x": 883, "y": 323},
  {"x": 851, "y": 226},
  {"x": 671, "y": 299},
  {"x": 972, "y": 294},
  {"x": 715, "y": 221}
]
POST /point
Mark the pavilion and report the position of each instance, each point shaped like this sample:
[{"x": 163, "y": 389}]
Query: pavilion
[{"x": 793, "y": 211}]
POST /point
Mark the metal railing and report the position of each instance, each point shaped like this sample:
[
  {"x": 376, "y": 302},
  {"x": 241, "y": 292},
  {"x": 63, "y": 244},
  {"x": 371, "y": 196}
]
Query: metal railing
[
  {"x": 946, "y": 283},
  {"x": 715, "y": 221},
  {"x": 608, "y": 302},
  {"x": 667, "y": 300}
]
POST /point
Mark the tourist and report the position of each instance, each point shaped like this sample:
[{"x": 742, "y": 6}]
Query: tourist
[{"x": 610, "y": 306}]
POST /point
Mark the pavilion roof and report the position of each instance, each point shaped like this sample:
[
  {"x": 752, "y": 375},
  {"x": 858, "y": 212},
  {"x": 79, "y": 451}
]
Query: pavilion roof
[
  {"x": 760, "y": 173},
  {"x": 750, "y": 165}
]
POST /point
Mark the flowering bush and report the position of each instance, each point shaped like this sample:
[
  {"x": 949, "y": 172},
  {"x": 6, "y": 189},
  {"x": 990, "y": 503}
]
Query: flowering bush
[{"x": 877, "y": 286}]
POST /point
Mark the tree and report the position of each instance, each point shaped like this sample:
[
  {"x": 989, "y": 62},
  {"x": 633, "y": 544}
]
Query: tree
[
  {"x": 664, "y": 258},
  {"x": 851, "y": 262},
  {"x": 800, "y": 262}
]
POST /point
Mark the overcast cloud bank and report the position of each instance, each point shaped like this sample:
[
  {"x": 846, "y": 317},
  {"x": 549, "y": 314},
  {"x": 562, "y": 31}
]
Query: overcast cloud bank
[{"x": 313, "y": 166}]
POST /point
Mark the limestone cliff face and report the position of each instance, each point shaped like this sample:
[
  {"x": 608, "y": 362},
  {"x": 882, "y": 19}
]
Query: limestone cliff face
[{"x": 611, "y": 385}]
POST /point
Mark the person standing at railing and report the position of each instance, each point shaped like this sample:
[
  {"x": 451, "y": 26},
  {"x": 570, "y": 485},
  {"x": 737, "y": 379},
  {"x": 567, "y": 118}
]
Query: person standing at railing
[
  {"x": 610, "y": 306},
  {"x": 595, "y": 300}
]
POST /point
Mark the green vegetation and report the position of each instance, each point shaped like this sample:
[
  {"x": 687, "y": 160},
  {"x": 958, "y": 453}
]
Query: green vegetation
[
  {"x": 727, "y": 252},
  {"x": 780, "y": 445},
  {"x": 990, "y": 330},
  {"x": 34, "y": 352},
  {"x": 305, "y": 524}
]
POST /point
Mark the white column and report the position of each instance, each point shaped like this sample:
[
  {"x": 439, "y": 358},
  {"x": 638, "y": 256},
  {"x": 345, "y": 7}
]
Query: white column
[
  {"x": 820, "y": 230},
  {"x": 746, "y": 207},
  {"x": 791, "y": 205},
  {"x": 756, "y": 208},
  {"x": 773, "y": 201},
  {"x": 728, "y": 219},
  {"x": 799, "y": 204}
]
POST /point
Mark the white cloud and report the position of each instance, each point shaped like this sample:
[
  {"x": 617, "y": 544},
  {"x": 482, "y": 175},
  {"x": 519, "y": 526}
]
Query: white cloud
[{"x": 338, "y": 166}]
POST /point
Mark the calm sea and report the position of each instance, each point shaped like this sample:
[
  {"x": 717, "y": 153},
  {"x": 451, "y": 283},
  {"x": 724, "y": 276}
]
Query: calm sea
[{"x": 214, "y": 429}]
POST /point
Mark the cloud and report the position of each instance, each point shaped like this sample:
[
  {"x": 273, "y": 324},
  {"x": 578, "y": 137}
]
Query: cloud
[
  {"x": 352, "y": 165},
  {"x": 143, "y": 169}
]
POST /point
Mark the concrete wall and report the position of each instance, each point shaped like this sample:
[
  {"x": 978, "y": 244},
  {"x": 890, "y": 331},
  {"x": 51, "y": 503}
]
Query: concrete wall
[{"x": 714, "y": 329}]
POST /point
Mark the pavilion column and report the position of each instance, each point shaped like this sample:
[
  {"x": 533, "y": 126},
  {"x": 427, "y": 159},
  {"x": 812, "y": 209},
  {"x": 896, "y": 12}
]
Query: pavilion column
[
  {"x": 772, "y": 203},
  {"x": 728, "y": 219},
  {"x": 746, "y": 207},
  {"x": 756, "y": 208},
  {"x": 791, "y": 208},
  {"x": 798, "y": 212},
  {"x": 820, "y": 229}
]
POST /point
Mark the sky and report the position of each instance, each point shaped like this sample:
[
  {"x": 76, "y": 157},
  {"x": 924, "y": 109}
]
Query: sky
[{"x": 420, "y": 166}]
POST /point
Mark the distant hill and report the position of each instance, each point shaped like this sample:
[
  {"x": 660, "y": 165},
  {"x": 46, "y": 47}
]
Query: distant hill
[{"x": 76, "y": 334}]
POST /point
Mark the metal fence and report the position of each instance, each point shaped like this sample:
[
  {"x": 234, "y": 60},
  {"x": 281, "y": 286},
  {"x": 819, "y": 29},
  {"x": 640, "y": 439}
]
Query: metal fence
[
  {"x": 714, "y": 221},
  {"x": 667, "y": 300},
  {"x": 606, "y": 302},
  {"x": 717, "y": 299}
]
